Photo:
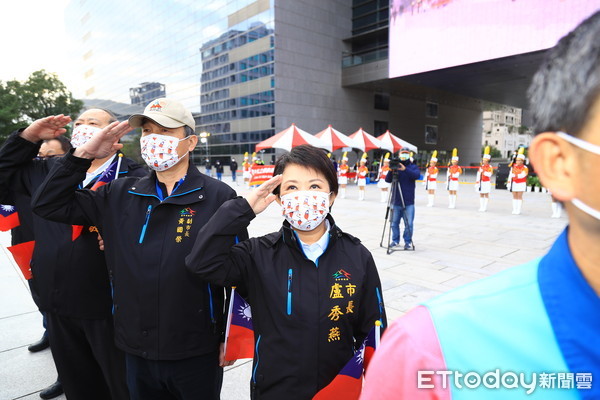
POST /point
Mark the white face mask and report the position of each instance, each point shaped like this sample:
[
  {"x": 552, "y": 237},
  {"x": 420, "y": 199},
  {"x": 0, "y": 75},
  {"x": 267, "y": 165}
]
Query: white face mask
[
  {"x": 83, "y": 133},
  {"x": 592, "y": 148},
  {"x": 160, "y": 151},
  {"x": 305, "y": 210}
]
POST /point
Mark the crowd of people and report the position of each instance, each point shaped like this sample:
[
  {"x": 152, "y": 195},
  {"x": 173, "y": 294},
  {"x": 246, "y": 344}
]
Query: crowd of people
[{"x": 132, "y": 268}]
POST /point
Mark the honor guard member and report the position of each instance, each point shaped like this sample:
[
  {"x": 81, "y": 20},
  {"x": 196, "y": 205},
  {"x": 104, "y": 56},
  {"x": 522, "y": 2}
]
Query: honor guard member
[
  {"x": 343, "y": 170},
  {"x": 530, "y": 331},
  {"x": 431, "y": 179},
  {"x": 454, "y": 171},
  {"x": 361, "y": 177},
  {"x": 69, "y": 270},
  {"x": 483, "y": 182},
  {"x": 246, "y": 170},
  {"x": 517, "y": 179},
  {"x": 381, "y": 183},
  {"x": 168, "y": 323}
]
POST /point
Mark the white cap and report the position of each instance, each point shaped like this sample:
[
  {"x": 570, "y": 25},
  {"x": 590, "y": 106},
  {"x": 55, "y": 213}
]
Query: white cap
[{"x": 165, "y": 112}]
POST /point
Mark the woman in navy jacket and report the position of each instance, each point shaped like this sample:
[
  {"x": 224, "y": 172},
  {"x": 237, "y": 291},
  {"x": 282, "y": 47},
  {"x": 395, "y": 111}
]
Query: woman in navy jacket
[{"x": 314, "y": 290}]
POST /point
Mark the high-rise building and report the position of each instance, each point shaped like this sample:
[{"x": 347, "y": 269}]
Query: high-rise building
[
  {"x": 249, "y": 68},
  {"x": 145, "y": 92}
]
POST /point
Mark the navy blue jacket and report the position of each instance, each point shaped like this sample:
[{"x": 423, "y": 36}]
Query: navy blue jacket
[
  {"x": 161, "y": 312},
  {"x": 406, "y": 180},
  {"x": 69, "y": 276}
]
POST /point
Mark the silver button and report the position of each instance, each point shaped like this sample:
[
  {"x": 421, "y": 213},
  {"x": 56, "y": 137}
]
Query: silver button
[{"x": 201, "y": 196}]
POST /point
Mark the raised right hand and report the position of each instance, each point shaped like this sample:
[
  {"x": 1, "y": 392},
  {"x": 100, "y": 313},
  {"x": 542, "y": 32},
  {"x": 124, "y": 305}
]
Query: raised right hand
[
  {"x": 260, "y": 198},
  {"x": 46, "y": 128},
  {"x": 105, "y": 142}
]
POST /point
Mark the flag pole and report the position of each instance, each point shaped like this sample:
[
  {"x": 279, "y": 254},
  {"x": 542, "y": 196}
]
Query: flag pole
[
  {"x": 377, "y": 333},
  {"x": 119, "y": 165},
  {"x": 228, "y": 326}
]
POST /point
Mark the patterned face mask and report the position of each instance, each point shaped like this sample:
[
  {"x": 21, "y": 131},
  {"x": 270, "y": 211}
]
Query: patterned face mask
[
  {"x": 592, "y": 148},
  {"x": 160, "y": 151},
  {"x": 305, "y": 210},
  {"x": 83, "y": 133}
]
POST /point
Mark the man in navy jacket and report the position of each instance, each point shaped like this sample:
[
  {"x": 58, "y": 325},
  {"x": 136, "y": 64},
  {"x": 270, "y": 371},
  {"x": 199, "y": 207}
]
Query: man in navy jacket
[{"x": 403, "y": 198}]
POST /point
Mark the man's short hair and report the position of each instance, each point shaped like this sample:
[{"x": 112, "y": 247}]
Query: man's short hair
[
  {"x": 111, "y": 116},
  {"x": 567, "y": 84},
  {"x": 65, "y": 144},
  {"x": 309, "y": 157}
]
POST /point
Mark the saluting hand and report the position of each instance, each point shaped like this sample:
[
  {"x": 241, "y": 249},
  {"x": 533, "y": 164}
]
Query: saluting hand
[
  {"x": 105, "y": 142},
  {"x": 260, "y": 198},
  {"x": 46, "y": 128}
]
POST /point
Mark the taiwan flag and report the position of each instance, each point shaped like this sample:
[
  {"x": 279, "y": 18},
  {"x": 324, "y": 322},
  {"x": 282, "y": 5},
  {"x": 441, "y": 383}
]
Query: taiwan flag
[
  {"x": 22, "y": 254},
  {"x": 239, "y": 335},
  {"x": 348, "y": 383},
  {"x": 107, "y": 176},
  {"x": 9, "y": 218},
  {"x": 371, "y": 342}
]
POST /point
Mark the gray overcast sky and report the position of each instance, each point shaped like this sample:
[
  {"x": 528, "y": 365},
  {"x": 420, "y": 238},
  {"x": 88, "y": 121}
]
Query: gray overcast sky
[{"x": 34, "y": 38}]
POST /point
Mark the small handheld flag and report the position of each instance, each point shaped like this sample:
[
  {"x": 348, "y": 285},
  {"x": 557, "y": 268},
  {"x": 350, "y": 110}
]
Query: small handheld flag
[
  {"x": 348, "y": 383},
  {"x": 9, "y": 217},
  {"x": 239, "y": 334},
  {"x": 22, "y": 254},
  {"x": 111, "y": 173}
]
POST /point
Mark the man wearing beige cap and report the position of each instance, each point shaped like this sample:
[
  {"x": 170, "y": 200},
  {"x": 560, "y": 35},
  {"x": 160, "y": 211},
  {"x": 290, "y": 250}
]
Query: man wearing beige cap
[{"x": 168, "y": 323}]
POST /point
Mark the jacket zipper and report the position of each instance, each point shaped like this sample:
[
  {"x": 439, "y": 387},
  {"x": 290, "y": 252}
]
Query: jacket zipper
[
  {"x": 380, "y": 303},
  {"x": 148, "y": 211},
  {"x": 212, "y": 313},
  {"x": 289, "y": 293},
  {"x": 257, "y": 358}
]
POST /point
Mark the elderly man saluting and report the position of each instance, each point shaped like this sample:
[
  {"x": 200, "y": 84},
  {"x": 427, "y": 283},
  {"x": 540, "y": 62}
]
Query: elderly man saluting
[{"x": 168, "y": 324}]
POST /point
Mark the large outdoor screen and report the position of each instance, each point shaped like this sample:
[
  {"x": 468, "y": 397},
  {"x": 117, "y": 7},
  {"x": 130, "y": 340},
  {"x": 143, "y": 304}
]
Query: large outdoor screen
[{"x": 426, "y": 35}]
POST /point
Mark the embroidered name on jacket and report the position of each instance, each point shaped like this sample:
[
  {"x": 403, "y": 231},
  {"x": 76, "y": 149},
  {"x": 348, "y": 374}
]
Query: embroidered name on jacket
[
  {"x": 343, "y": 292},
  {"x": 184, "y": 224}
]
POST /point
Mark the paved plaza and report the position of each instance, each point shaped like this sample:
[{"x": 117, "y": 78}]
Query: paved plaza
[{"x": 453, "y": 247}]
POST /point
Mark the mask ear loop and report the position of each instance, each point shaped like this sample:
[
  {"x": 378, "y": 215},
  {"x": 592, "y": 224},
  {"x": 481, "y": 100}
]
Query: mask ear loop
[
  {"x": 582, "y": 144},
  {"x": 592, "y": 148}
]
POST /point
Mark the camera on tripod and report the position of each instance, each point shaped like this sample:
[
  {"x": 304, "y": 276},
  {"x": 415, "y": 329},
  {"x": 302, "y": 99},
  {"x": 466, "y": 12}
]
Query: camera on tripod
[{"x": 394, "y": 163}]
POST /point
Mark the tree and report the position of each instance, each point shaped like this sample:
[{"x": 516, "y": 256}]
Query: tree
[{"x": 42, "y": 94}]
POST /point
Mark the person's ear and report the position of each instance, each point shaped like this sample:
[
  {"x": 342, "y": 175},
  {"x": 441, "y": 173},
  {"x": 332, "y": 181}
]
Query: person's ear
[
  {"x": 555, "y": 163},
  {"x": 332, "y": 197},
  {"x": 193, "y": 142}
]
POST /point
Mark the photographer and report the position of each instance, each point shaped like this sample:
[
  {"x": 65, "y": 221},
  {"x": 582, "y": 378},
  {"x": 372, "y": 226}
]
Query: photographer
[{"x": 403, "y": 197}]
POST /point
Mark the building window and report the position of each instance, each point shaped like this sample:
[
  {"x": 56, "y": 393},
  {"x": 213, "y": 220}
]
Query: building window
[
  {"x": 431, "y": 134},
  {"x": 380, "y": 127},
  {"x": 431, "y": 110},
  {"x": 382, "y": 101}
]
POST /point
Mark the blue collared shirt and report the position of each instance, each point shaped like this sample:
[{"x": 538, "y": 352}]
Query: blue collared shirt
[
  {"x": 316, "y": 250},
  {"x": 574, "y": 311}
]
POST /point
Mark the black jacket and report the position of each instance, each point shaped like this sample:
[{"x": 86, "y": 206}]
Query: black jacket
[
  {"x": 160, "y": 311},
  {"x": 293, "y": 301},
  {"x": 69, "y": 277}
]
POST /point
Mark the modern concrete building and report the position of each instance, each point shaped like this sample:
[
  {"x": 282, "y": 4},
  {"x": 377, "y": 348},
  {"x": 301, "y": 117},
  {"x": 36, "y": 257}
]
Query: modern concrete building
[{"x": 250, "y": 68}]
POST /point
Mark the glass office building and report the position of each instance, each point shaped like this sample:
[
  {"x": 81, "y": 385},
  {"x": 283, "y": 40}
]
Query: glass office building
[{"x": 248, "y": 69}]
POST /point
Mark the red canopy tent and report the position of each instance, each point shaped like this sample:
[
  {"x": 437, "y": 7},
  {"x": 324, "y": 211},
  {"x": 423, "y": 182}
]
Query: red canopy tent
[
  {"x": 366, "y": 142},
  {"x": 394, "y": 141},
  {"x": 336, "y": 139},
  {"x": 291, "y": 137}
]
